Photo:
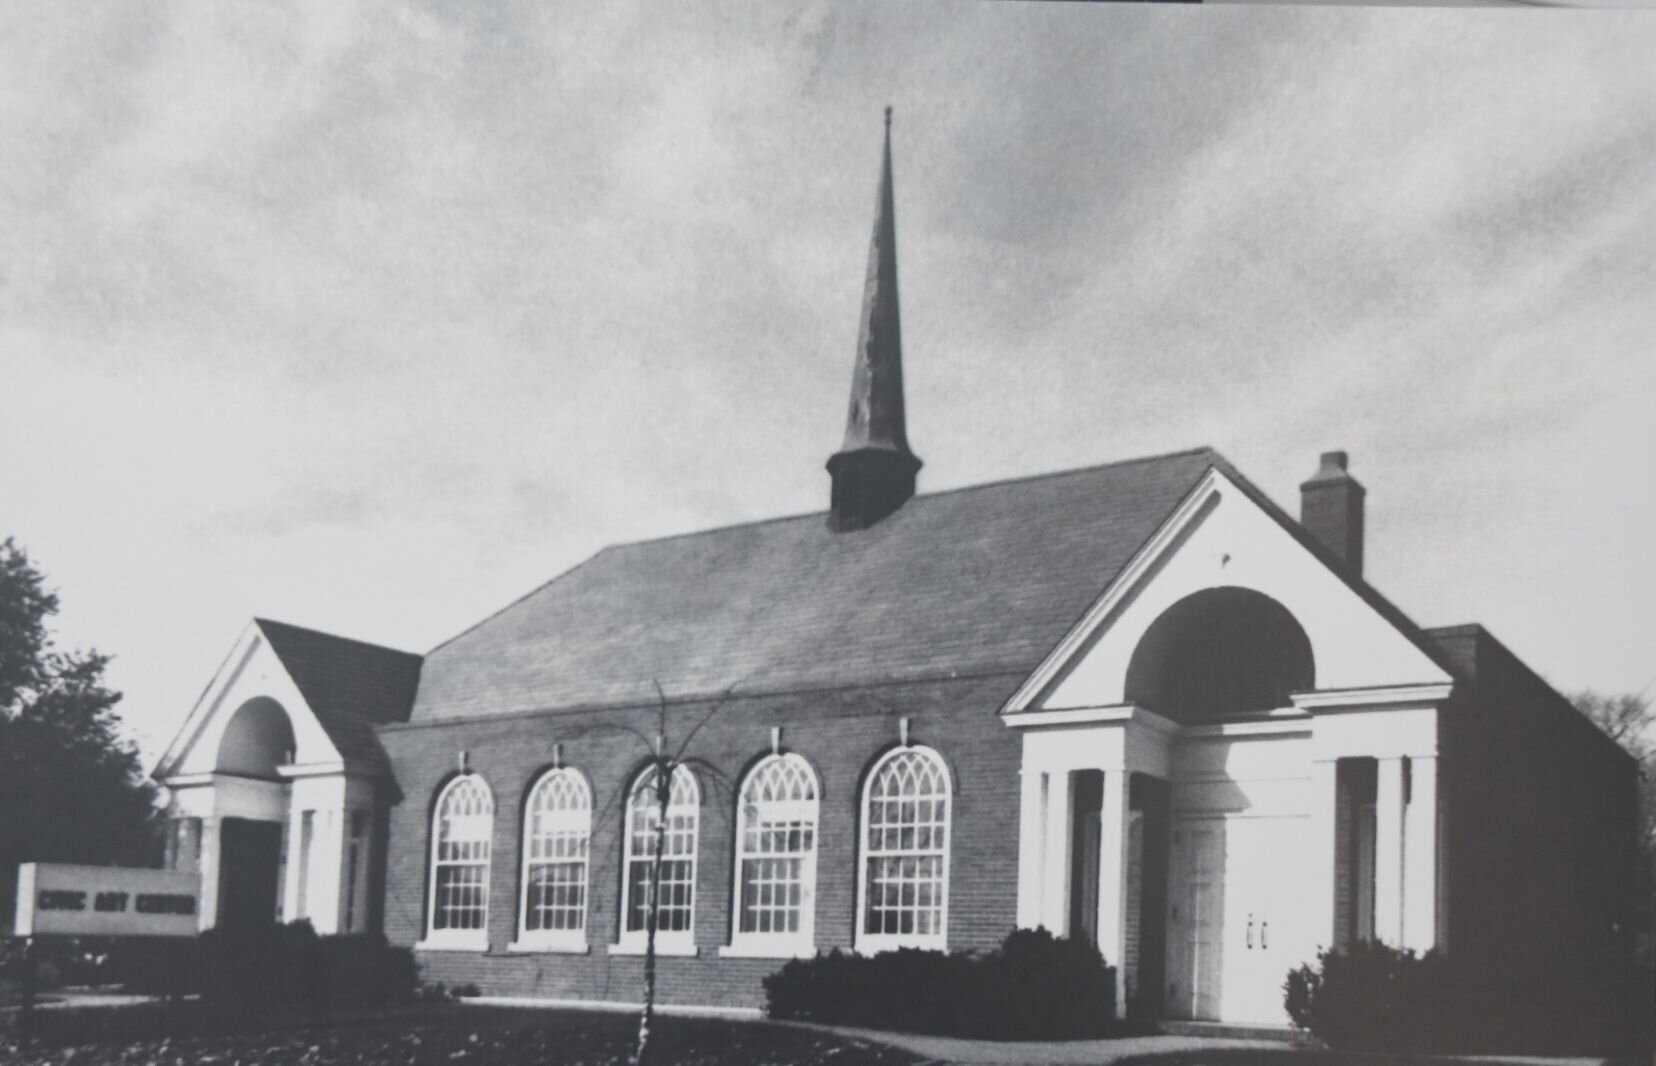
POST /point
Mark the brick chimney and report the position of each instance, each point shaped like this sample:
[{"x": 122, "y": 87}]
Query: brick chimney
[{"x": 1331, "y": 509}]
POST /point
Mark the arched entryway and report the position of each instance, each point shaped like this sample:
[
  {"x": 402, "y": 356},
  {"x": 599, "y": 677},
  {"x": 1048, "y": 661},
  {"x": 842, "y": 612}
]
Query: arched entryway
[
  {"x": 257, "y": 741},
  {"x": 1220, "y": 652},
  {"x": 1215, "y": 657}
]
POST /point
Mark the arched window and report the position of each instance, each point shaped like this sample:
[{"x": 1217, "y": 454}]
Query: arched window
[
  {"x": 676, "y": 911},
  {"x": 776, "y": 857},
  {"x": 462, "y": 825},
  {"x": 557, "y": 832},
  {"x": 905, "y": 882}
]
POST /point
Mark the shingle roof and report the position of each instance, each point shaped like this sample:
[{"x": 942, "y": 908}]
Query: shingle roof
[
  {"x": 350, "y": 685},
  {"x": 971, "y": 581}
]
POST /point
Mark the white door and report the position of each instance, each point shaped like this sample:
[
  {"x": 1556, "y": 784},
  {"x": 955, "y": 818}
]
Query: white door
[
  {"x": 1264, "y": 916},
  {"x": 1195, "y": 918}
]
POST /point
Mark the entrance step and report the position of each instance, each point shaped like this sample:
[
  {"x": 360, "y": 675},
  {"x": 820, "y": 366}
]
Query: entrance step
[{"x": 1233, "y": 1031}]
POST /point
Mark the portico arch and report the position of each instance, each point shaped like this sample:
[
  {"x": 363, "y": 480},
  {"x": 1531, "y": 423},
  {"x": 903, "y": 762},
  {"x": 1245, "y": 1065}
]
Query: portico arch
[
  {"x": 1219, "y": 651},
  {"x": 257, "y": 739}
]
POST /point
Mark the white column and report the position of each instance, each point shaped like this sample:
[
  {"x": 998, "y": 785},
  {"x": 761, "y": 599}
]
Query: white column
[
  {"x": 211, "y": 843},
  {"x": 1388, "y": 853},
  {"x": 1031, "y": 849},
  {"x": 1420, "y": 849},
  {"x": 1059, "y": 824},
  {"x": 1320, "y": 857},
  {"x": 293, "y": 867},
  {"x": 1113, "y": 866},
  {"x": 329, "y": 901}
]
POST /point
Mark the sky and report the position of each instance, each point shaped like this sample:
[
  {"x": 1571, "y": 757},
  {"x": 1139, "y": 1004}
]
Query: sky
[{"x": 371, "y": 316}]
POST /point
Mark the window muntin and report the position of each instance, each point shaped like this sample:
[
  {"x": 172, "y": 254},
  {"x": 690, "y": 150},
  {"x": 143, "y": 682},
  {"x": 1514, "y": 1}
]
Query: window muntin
[
  {"x": 905, "y": 851},
  {"x": 675, "y": 915},
  {"x": 557, "y": 836},
  {"x": 463, "y": 826},
  {"x": 776, "y": 852}
]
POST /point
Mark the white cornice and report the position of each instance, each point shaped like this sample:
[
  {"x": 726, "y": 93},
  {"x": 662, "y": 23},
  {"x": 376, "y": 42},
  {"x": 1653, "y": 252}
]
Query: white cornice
[
  {"x": 1363, "y": 698},
  {"x": 1124, "y": 713},
  {"x": 312, "y": 769}
]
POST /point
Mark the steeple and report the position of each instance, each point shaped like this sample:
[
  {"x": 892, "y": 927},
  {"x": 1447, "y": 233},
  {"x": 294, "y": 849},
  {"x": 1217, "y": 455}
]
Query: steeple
[{"x": 873, "y": 472}]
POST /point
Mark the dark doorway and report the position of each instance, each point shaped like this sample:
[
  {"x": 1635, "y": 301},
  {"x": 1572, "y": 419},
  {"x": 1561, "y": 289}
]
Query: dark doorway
[
  {"x": 250, "y": 854},
  {"x": 1088, "y": 788}
]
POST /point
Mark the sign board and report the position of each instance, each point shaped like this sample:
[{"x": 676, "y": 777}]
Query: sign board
[{"x": 57, "y": 899}]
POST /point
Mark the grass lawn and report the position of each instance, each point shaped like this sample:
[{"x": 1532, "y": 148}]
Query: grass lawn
[{"x": 449, "y": 1034}]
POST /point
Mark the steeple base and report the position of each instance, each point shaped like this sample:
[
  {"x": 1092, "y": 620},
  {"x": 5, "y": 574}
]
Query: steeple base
[{"x": 869, "y": 485}]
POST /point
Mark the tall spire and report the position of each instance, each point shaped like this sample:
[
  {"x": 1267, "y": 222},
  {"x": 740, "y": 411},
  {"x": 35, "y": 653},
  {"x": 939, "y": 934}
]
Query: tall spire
[{"x": 873, "y": 472}]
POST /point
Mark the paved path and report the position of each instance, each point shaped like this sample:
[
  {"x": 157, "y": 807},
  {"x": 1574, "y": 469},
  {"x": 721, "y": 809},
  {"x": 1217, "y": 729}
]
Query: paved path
[
  {"x": 963, "y": 1052},
  {"x": 1185, "y": 1049}
]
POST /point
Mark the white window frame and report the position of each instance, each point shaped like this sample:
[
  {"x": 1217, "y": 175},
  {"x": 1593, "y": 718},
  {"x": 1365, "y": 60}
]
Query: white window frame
[
  {"x": 457, "y": 939},
  {"x": 777, "y": 944},
  {"x": 668, "y": 942},
  {"x": 871, "y": 943},
  {"x": 554, "y": 940}
]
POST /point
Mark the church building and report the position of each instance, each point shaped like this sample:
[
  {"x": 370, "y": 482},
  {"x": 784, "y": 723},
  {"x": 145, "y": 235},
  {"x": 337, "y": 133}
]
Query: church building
[{"x": 1139, "y": 703}]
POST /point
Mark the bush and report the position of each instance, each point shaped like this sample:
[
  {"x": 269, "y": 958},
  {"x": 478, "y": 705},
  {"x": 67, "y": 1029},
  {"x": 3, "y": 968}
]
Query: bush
[
  {"x": 238, "y": 971},
  {"x": 1033, "y": 987},
  {"x": 1370, "y": 997}
]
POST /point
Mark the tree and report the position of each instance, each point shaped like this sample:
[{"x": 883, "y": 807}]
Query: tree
[
  {"x": 1630, "y": 721},
  {"x": 663, "y": 765},
  {"x": 71, "y": 787}
]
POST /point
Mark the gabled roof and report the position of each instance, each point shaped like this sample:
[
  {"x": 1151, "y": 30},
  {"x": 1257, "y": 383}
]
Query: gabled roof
[
  {"x": 980, "y": 580},
  {"x": 351, "y": 686}
]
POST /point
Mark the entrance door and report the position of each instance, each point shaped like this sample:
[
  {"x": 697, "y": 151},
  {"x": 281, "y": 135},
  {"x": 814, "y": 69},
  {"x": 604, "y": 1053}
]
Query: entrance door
[
  {"x": 1195, "y": 919},
  {"x": 1263, "y": 916},
  {"x": 250, "y": 854}
]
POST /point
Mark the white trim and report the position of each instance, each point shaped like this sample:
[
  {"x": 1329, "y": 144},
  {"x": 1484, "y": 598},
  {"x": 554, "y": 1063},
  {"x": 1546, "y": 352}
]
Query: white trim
[
  {"x": 189, "y": 780},
  {"x": 1364, "y": 698},
  {"x": 550, "y": 942},
  {"x": 871, "y": 943},
  {"x": 454, "y": 940},
  {"x": 1118, "y": 712},
  {"x": 1196, "y": 505},
  {"x": 784, "y": 944},
  {"x": 680, "y": 944},
  {"x": 681, "y": 1009},
  {"x": 558, "y": 940},
  {"x": 624, "y": 936},
  {"x": 437, "y": 939},
  {"x": 768, "y": 946},
  {"x": 311, "y": 769},
  {"x": 1276, "y": 726}
]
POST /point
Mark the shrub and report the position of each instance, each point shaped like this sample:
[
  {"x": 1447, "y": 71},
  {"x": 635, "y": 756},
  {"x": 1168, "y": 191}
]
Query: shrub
[
  {"x": 1372, "y": 997},
  {"x": 1034, "y": 986},
  {"x": 240, "y": 970}
]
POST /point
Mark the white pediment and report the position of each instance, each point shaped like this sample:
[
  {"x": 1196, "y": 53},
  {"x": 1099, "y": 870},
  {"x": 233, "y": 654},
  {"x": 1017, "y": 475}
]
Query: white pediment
[
  {"x": 252, "y": 672},
  {"x": 1221, "y": 537}
]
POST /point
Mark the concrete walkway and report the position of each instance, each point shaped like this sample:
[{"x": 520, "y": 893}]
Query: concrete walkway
[
  {"x": 1183, "y": 1051},
  {"x": 961, "y": 1052}
]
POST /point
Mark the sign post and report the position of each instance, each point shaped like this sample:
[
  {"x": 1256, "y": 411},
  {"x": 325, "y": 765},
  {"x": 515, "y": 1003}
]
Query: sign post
[{"x": 56, "y": 899}]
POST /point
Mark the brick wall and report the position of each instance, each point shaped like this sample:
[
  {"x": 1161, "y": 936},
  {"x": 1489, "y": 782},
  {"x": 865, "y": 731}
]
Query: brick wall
[
  {"x": 840, "y": 732},
  {"x": 1541, "y": 823}
]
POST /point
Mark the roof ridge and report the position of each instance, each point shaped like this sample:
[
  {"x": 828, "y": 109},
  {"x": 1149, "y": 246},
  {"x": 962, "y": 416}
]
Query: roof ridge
[
  {"x": 263, "y": 622},
  {"x": 1015, "y": 480}
]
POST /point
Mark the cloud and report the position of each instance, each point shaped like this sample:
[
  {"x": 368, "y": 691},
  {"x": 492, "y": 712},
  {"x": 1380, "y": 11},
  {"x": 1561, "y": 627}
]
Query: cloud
[{"x": 374, "y": 313}]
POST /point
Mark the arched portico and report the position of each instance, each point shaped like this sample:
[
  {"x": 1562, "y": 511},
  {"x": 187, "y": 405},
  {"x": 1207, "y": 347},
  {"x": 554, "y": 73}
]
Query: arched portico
[
  {"x": 277, "y": 817},
  {"x": 257, "y": 742},
  {"x": 1261, "y": 742}
]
